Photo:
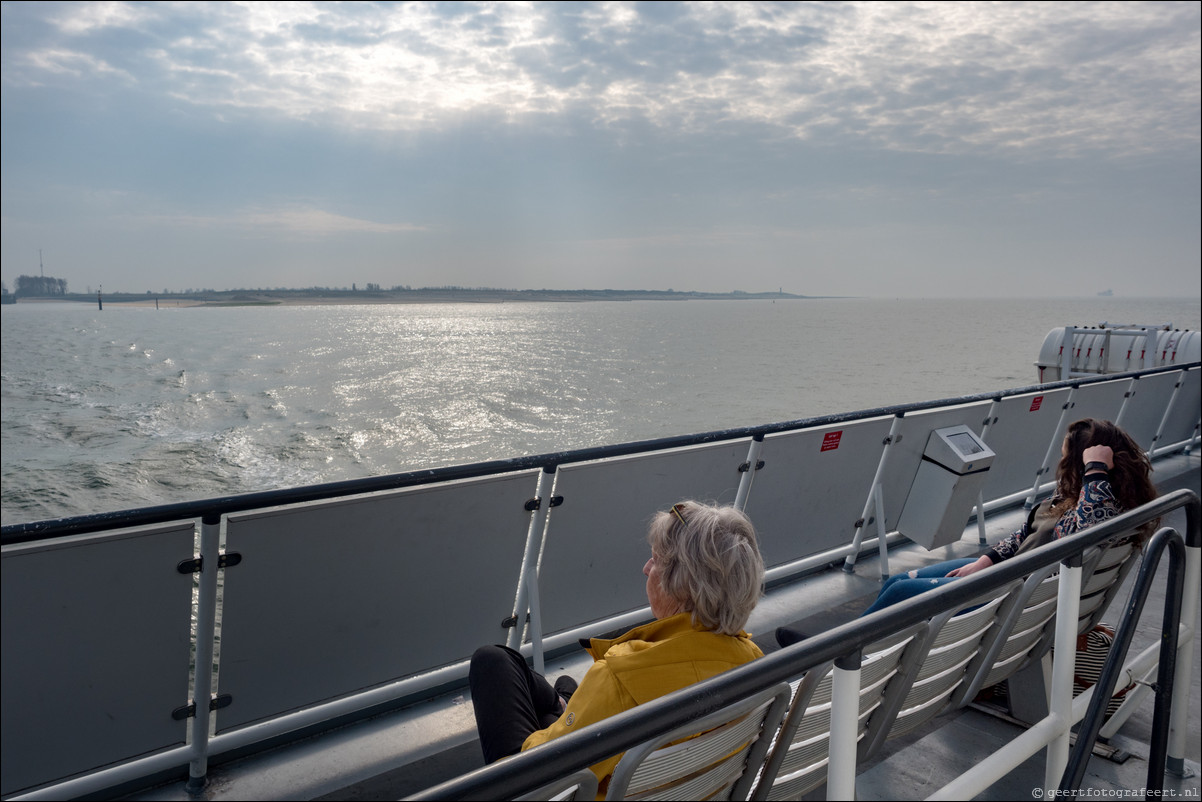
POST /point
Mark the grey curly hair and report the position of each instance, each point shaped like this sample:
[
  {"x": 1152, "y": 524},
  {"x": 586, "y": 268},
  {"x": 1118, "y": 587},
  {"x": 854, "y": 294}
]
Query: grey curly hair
[{"x": 710, "y": 562}]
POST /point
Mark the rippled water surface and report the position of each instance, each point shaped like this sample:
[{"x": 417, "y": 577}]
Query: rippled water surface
[{"x": 135, "y": 406}]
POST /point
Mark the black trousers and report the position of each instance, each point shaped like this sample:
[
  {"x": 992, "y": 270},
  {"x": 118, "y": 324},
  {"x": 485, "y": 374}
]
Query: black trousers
[{"x": 511, "y": 700}]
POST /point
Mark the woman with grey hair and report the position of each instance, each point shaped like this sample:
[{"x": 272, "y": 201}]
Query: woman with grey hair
[{"x": 704, "y": 578}]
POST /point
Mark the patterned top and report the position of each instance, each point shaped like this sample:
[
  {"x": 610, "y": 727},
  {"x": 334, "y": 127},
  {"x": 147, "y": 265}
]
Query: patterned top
[{"x": 1096, "y": 503}]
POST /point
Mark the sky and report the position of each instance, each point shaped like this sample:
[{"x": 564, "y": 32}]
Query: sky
[{"x": 899, "y": 149}]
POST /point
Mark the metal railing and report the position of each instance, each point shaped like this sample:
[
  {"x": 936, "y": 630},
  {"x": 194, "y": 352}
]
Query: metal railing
[
  {"x": 510, "y": 778},
  {"x": 1092, "y": 723}
]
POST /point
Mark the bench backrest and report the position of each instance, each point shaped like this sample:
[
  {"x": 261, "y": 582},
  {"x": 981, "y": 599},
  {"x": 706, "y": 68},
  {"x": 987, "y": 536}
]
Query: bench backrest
[
  {"x": 799, "y": 755},
  {"x": 954, "y": 638},
  {"x": 720, "y": 763},
  {"x": 1020, "y": 637}
]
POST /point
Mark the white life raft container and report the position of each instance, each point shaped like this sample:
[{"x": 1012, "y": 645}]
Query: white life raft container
[{"x": 1110, "y": 348}]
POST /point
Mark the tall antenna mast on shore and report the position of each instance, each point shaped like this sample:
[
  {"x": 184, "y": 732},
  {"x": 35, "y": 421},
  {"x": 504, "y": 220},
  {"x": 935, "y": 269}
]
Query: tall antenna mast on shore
[{"x": 41, "y": 267}]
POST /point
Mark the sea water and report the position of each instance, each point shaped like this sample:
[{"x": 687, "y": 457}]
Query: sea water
[{"x": 138, "y": 406}]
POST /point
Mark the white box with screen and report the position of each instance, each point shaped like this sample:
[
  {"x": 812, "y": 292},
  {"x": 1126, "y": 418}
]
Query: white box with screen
[{"x": 945, "y": 487}]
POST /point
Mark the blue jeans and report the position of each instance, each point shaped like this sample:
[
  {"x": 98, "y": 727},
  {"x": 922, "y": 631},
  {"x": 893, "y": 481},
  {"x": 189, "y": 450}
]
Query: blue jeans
[{"x": 900, "y": 587}]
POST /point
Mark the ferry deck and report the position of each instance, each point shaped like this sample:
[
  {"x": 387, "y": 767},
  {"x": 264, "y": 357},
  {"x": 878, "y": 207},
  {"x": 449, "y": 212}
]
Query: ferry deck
[
  {"x": 401, "y": 754},
  {"x": 360, "y": 739}
]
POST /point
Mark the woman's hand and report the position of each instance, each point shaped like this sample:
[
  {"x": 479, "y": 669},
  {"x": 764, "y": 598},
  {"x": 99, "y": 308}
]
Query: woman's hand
[
  {"x": 982, "y": 563},
  {"x": 1102, "y": 454}
]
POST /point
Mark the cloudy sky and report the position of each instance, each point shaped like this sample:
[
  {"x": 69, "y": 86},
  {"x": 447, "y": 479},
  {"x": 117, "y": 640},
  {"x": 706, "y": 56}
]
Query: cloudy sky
[{"x": 908, "y": 149}]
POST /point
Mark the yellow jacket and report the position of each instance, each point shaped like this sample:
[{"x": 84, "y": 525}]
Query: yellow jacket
[{"x": 644, "y": 664}]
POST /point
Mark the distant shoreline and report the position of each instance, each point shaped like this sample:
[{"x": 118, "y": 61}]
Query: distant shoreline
[{"x": 421, "y": 296}]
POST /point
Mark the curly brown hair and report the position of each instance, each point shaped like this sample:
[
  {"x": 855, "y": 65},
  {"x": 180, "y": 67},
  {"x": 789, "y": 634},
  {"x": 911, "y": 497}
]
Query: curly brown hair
[{"x": 1130, "y": 477}]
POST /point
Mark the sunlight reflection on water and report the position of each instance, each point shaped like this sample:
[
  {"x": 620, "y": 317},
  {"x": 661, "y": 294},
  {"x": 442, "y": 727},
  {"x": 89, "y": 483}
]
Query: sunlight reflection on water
[{"x": 134, "y": 406}]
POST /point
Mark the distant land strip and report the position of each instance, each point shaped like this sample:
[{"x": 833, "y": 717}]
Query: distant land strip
[{"x": 403, "y": 295}]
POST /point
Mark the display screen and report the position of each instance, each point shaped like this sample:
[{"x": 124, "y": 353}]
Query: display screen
[{"x": 965, "y": 443}]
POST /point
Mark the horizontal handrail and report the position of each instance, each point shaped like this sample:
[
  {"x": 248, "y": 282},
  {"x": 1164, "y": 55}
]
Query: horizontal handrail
[
  {"x": 520, "y": 773},
  {"x": 224, "y": 505}
]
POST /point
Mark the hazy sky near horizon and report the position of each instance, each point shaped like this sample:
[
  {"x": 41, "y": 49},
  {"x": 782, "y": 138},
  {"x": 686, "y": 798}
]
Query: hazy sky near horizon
[{"x": 897, "y": 149}]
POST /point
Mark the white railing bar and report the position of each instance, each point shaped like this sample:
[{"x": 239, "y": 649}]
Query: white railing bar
[
  {"x": 206, "y": 625},
  {"x": 1179, "y": 720},
  {"x": 982, "y": 539},
  {"x": 456, "y": 673},
  {"x": 990, "y": 418},
  {"x": 1021, "y": 495},
  {"x": 878, "y": 499},
  {"x": 845, "y": 713},
  {"x": 568, "y": 637},
  {"x": 108, "y": 778},
  {"x": 536, "y": 623},
  {"x": 1002, "y": 762},
  {"x": 849, "y": 563},
  {"x": 1063, "y": 664},
  {"x": 527, "y": 578},
  {"x": 825, "y": 558},
  {"x": 753, "y": 457},
  {"x": 1178, "y": 446}
]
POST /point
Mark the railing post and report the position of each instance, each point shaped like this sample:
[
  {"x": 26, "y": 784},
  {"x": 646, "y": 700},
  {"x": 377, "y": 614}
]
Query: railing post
[
  {"x": 753, "y": 459},
  {"x": 990, "y": 419},
  {"x": 1064, "y": 662},
  {"x": 1167, "y": 656},
  {"x": 882, "y": 547},
  {"x": 849, "y": 563},
  {"x": 982, "y": 540},
  {"x": 845, "y": 717},
  {"x": 527, "y": 596},
  {"x": 1053, "y": 448},
  {"x": 1179, "y": 721},
  {"x": 206, "y": 627},
  {"x": 1131, "y": 391},
  {"x": 1164, "y": 419}
]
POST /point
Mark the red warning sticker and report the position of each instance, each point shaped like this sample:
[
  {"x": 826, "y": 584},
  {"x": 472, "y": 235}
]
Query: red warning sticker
[
  {"x": 1035, "y": 402},
  {"x": 830, "y": 441}
]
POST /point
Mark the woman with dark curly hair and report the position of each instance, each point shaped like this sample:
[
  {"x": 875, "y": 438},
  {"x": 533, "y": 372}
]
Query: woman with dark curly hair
[{"x": 1102, "y": 473}]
